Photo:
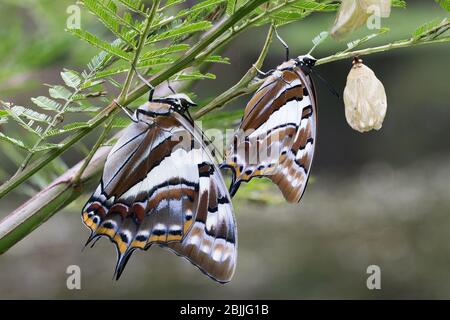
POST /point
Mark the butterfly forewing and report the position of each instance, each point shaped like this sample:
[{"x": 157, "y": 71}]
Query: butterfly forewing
[
  {"x": 157, "y": 186},
  {"x": 277, "y": 135}
]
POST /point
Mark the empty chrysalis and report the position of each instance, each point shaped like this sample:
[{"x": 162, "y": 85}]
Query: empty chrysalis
[
  {"x": 354, "y": 13},
  {"x": 364, "y": 98}
]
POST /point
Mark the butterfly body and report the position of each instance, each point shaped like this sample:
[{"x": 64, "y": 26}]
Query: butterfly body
[
  {"x": 160, "y": 185},
  {"x": 277, "y": 134}
]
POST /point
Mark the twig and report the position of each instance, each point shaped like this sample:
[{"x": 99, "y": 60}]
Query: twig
[
  {"x": 242, "y": 86},
  {"x": 100, "y": 140},
  {"x": 177, "y": 66},
  {"x": 62, "y": 192},
  {"x": 137, "y": 53},
  {"x": 50, "y": 200},
  {"x": 390, "y": 46}
]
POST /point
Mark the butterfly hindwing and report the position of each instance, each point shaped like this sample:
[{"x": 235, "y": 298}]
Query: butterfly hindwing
[
  {"x": 157, "y": 184},
  {"x": 277, "y": 135}
]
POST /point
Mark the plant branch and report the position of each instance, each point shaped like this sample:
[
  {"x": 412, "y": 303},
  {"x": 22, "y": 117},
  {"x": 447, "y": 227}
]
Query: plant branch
[
  {"x": 387, "y": 47},
  {"x": 137, "y": 53},
  {"x": 76, "y": 179},
  {"x": 176, "y": 67},
  {"x": 62, "y": 191},
  {"x": 242, "y": 86},
  {"x": 50, "y": 200}
]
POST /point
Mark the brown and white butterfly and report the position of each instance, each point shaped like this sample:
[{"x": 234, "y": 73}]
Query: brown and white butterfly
[
  {"x": 277, "y": 134},
  {"x": 161, "y": 185}
]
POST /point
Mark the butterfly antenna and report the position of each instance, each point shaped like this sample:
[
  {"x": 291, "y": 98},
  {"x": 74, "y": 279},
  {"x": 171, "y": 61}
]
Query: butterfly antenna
[
  {"x": 170, "y": 87},
  {"x": 152, "y": 88},
  {"x": 283, "y": 43},
  {"x": 327, "y": 84}
]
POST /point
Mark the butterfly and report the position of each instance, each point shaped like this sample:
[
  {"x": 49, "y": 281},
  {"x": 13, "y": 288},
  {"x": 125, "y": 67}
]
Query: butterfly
[
  {"x": 160, "y": 185},
  {"x": 277, "y": 134}
]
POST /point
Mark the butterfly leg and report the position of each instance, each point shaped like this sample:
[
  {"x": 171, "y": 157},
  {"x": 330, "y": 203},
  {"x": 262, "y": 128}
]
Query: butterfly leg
[
  {"x": 152, "y": 88},
  {"x": 286, "y": 47},
  {"x": 170, "y": 87},
  {"x": 127, "y": 111},
  {"x": 262, "y": 73}
]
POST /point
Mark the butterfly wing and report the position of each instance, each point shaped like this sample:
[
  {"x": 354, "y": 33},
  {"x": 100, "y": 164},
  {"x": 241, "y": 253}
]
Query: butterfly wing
[
  {"x": 212, "y": 242},
  {"x": 277, "y": 135},
  {"x": 153, "y": 191}
]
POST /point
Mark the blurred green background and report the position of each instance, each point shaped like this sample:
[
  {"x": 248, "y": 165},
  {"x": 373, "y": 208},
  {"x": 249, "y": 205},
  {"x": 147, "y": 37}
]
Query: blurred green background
[{"x": 379, "y": 198}]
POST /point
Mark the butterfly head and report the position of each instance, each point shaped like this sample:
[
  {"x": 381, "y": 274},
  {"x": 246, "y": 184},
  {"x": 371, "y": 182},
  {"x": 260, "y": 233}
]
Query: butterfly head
[
  {"x": 306, "y": 63},
  {"x": 180, "y": 102}
]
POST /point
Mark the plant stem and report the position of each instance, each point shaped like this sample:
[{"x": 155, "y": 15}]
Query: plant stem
[
  {"x": 61, "y": 192},
  {"x": 47, "y": 202},
  {"x": 137, "y": 53},
  {"x": 389, "y": 46},
  {"x": 192, "y": 54},
  {"x": 100, "y": 140},
  {"x": 241, "y": 87}
]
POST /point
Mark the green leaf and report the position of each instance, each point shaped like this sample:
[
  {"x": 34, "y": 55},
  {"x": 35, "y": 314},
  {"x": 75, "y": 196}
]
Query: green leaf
[
  {"x": 181, "y": 30},
  {"x": 98, "y": 60},
  {"x": 71, "y": 78},
  {"x": 428, "y": 29},
  {"x": 13, "y": 141},
  {"x": 217, "y": 59},
  {"x": 19, "y": 111},
  {"x": 46, "y": 103},
  {"x": 121, "y": 122},
  {"x": 91, "y": 83},
  {"x": 207, "y": 4},
  {"x": 444, "y": 4},
  {"x": 170, "y": 3},
  {"x": 103, "y": 45},
  {"x": 353, "y": 44},
  {"x": 47, "y": 146},
  {"x": 314, "y": 6},
  {"x": 135, "y": 5},
  {"x": 164, "y": 51},
  {"x": 60, "y": 92},
  {"x": 67, "y": 128},
  {"x": 232, "y": 6},
  {"x": 111, "y": 72},
  {"x": 321, "y": 37},
  {"x": 82, "y": 107},
  {"x": 107, "y": 14},
  {"x": 399, "y": 3},
  {"x": 155, "y": 62},
  {"x": 196, "y": 75}
]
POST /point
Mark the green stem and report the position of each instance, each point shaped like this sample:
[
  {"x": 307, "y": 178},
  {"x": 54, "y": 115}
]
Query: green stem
[
  {"x": 241, "y": 87},
  {"x": 387, "y": 47},
  {"x": 100, "y": 140},
  {"x": 177, "y": 66},
  {"x": 191, "y": 55},
  {"x": 137, "y": 53}
]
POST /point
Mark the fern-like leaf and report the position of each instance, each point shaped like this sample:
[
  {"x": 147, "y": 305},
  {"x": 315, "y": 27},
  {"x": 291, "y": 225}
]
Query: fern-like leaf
[
  {"x": 180, "y": 30},
  {"x": 71, "y": 78},
  {"x": 164, "y": 51},
  {"x": 106, "y": 12},
  {"x": 13, "y": 141},
  {"x": 103, "y": 45},
  {"x": 135, "y": 5},
  {"x": 46, "y": 103},
  {"x": 67, "y": 128}
]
